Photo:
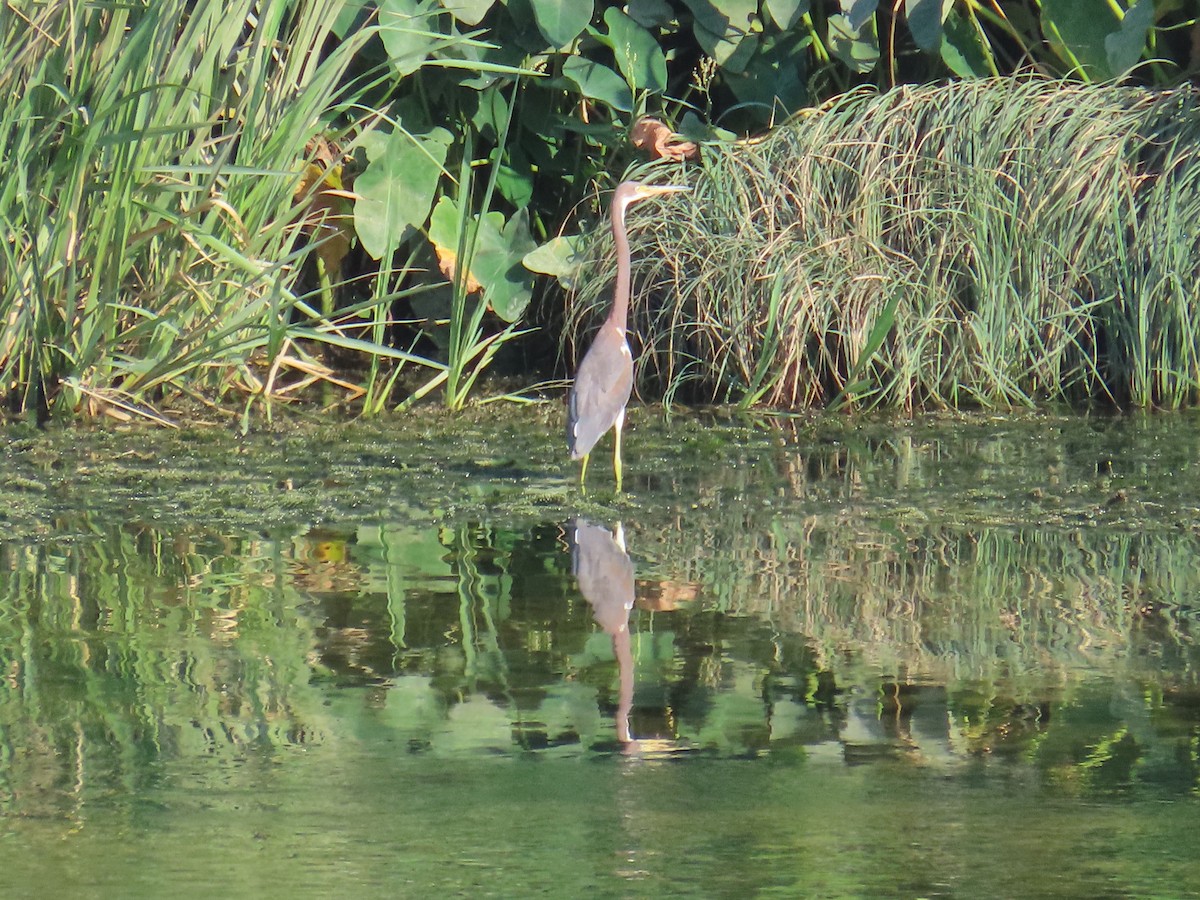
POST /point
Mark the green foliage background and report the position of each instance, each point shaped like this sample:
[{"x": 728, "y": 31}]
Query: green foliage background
[{"x": 157, "y": 246}]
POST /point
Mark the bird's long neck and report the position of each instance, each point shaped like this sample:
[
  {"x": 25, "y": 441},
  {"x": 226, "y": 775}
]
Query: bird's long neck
[{"x": 619, "y": 316}]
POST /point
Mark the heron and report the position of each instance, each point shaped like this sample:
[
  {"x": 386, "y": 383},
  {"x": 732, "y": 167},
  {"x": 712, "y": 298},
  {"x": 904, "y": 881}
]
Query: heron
[{"x": 605, "y": 377}]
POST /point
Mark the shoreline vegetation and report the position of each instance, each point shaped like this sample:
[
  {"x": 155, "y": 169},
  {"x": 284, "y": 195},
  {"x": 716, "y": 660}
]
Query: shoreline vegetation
[
  {"x": 356, "y": 206},
  {"x": 993, "y": 243}
]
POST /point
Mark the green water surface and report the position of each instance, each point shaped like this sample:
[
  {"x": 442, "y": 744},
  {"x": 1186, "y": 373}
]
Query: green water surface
[{"x": 946, "y": 658}]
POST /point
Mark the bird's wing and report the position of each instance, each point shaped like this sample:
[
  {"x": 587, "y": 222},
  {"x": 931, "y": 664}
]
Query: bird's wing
[{"x": 602, "y": 388}]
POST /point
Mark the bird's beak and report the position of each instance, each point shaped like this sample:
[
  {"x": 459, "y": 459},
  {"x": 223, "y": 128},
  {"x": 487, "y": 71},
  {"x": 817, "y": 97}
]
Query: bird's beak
[{"x": 653, "y": 190}]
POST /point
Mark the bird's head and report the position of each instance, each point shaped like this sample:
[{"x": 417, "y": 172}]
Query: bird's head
[{"x": 630, "y": 192}]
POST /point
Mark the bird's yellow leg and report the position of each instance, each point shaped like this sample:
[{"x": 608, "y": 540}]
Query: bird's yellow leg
[
  {"x": 617, "y": 451},
  {"x": 583, "y": 472}
]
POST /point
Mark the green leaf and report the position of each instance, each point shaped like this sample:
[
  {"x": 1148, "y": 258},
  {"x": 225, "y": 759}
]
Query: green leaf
[
  {"x": 1124, "y": 47},
  {"x": 409, "y": 32},
  {"x": 963, "y": 49},
  {"x": 1077, "y": 30},
  {"x": 561, "y": 257},
  {"x": 692, "y": 127},
  {"x": 511, "y": 287},
  {"x": 350, "y": 18},
  {"x": 786, "y": 13},
  {"x": 599, "y": 83},
  {"x": 925, "y": 18},
  {"x": 650, "y": 13},
  {"x": 491, "y": 114},
  {"x": 858, "y": 12},
  {"x": 495, "y": 258},
  {"x": 721, "y": 26},
  {"x": 856, "y": 386},
  {"x": 706, "y": 15},
  {"x": 469, "y": 12},
  {"x": 514, "y": 179},
  {"x": 396, "y": 189},
  {"x": 638, "y": 55},
  {"x": 775, "y": 80},
  {"x": 561, "y": 21},
  {"x": 858, "y": 49}
]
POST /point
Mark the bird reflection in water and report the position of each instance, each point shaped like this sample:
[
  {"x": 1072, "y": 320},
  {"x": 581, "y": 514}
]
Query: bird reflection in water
[{"x": 605, "y": 574}]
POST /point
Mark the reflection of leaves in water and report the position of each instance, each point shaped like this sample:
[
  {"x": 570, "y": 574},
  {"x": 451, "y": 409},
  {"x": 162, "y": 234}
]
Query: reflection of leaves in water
[{"x": 928, "y": 597}]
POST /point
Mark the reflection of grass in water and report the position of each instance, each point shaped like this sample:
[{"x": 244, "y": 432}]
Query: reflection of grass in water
[
  {"x": 947, "y": 603},
  {"x": 134, "y": 645},
  {"x": 206, "y": 648},
  {"x": 824, "y": 557}
]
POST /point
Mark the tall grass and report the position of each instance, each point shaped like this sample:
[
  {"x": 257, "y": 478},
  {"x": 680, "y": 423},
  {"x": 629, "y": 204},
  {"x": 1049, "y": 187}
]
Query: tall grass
[
  {"x": 983, "y": 243},
  {"x": 150, "y": 233}
]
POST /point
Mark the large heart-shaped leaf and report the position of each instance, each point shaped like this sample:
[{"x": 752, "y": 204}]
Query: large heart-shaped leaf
[
  {"x": 775, "y": 79},
  {"x": 857, "y": 48},
  {"x": 650, "y": 13},
  {"x": 510, "y": 285},
  {"x": 964, "y": 50},
  {"x": 1124, "y": 47},
  {"x": 469, "y": 12},
  {"x": 561, "y": 21},
  {"x": 495, "y": 257},
  {"x": 409, "y": 33},
  {"x": 786, "y": 13},
  {"x": 857, "y": 12},
  {"x": 721, "y": 26},
  {"x": 396, "y": 189},
  {"x": 562, "y": 257},
  {"x": 1077, "y": 30},
  {"x": 925, "y": 18},
  {"x": 638, "y": 55},
  {"x": 599, "y": 82}
]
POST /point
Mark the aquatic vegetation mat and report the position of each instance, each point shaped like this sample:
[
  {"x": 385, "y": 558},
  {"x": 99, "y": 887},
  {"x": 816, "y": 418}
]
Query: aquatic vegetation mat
[{"x": 1127, "y": 472}]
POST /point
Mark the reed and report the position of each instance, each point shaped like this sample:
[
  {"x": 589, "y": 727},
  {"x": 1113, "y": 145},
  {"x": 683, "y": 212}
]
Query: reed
[
  {"x": 151, "y": 232},
  {"x": 995, "y": 243}
]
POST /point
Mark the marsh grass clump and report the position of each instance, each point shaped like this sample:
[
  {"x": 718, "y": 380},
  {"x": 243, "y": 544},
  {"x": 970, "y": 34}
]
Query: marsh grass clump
[
  {"x": 981, "y": 243},
  {"x": 150, "y": 224}
]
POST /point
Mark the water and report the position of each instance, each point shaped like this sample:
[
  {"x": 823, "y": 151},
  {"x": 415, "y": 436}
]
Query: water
[{"x": 942, "y": 659}]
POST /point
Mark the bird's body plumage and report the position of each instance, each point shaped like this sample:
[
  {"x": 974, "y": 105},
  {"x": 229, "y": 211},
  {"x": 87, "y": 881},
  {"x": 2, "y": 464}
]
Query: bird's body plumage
[
  {"x": 603, "y": 385},
  {"x": 604, "y": 381}
]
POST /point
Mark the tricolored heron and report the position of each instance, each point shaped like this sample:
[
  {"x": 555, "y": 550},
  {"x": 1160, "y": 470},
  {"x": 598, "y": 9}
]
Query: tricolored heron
[{"x": 605, "y": 377}]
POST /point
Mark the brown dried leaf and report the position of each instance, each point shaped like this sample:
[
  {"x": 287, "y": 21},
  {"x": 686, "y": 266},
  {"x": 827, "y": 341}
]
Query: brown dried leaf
[
  {"x": 329, "y": 217},
  {"x": 659, "y": 142},
  {"x": 322, "y": 150},
  {"x": 448, "y": 262},
  {"x": 664, "y": 596}
]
